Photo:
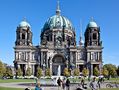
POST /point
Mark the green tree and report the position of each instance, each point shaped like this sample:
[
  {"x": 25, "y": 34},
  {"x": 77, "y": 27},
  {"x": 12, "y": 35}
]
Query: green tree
[
  {"x": 66, "y": 72},
  {"x": 2, "y": 69},
  {"x": 111, "y": 69},
  {"x": 76, "y": 72},
  {"x": 28, "y": 71},
  {"x": 96, "y": 71},
  {"x": 85, "y": 72},
  {"x": 39, "y": 72},
  {"x": 19, "y": 72},
  {"x": 48, "y": 72},
  {"x": 117, "y": 70},
  {"x": 8, "y": 72},
  {"x": 105, "y": 72}
]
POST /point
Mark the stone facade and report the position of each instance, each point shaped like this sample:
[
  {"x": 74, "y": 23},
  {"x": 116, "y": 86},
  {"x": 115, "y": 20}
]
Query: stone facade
[{"x": 58, "y": 47}]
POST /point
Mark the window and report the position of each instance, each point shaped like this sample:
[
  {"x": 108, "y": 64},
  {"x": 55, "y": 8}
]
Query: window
[
  {"x": 94, "y": 36},
  {"x": 23, "y": 36}
]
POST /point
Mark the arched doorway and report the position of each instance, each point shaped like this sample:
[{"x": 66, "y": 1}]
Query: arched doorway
[{"x": 58, "y": 64}]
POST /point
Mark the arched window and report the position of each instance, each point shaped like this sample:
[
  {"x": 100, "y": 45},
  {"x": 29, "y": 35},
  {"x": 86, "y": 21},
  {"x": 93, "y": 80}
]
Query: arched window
[
  {"x": 94, "y": 36},
  {"x": 23, "y": 36}
]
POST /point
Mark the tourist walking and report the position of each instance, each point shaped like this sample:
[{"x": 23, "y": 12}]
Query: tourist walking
[
  {"x": 67, "y": 84},
  {"x": 59, "y": 81},
  {"x": 94, "y": 84},
  {"x": 82, "y": 83},
  {"x": 63, "y": 84},
  {"x": 38, "y": 87}
]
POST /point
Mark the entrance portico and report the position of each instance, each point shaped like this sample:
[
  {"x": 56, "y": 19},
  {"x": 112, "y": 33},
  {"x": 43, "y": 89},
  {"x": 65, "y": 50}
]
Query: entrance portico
[{"x": 58, "y": 64}]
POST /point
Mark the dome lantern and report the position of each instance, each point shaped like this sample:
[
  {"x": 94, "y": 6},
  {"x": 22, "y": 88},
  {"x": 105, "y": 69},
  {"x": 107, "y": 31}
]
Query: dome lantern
[
  {"x": 58, "y": 9},
  {"x": 24, "y": 24},
  {"x": 92, "y": 23}
]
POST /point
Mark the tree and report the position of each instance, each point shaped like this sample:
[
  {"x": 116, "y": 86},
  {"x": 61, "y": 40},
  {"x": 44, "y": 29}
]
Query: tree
[
  {"x": 48, "y": 72},
  {"x": 66, "y": 72},
  {"x": 76, "y": 72},
  {"x": 96, "y": 71},
  {"x": 19, "y": 72},
  {"x": 85, "y": 72},
  {"x": 2, "y": 69},
  {"x": 28, "y": 71},
  {"x": 105, "y": 72},
  {"x": 117, "y": 70},
  {"x": 39, "y": 72},
  {"x": 111, "y": 69},
  {"x": 8, "y": 72}
]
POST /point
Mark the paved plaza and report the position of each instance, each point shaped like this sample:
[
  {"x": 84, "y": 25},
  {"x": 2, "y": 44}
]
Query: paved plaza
[{"x": 31, "y": 85}]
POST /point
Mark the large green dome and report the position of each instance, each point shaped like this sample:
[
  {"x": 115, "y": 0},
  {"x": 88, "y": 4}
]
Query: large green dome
[{"x": 57, "y": 21}]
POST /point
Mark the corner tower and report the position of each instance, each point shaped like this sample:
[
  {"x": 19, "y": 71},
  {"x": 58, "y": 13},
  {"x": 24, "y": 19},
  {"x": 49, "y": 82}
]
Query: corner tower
[
  {"x": 23, "y": 47},
  {"x": 93, "y": 46},
  {"x": 23, "y": 34}
]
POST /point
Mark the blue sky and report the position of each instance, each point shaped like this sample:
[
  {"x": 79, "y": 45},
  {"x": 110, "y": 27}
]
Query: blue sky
[{"x": 104, "y": 12}]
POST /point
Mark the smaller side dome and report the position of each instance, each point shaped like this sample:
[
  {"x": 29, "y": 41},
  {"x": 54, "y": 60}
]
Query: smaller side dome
[
  {"x": 24, "y": 24},
  {"x": 92, "y": 24}
]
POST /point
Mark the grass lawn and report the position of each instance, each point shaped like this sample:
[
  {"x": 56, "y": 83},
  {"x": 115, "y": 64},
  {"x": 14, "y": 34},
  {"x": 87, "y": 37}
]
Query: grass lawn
[
  {"x": 16, "y": 80},
  {"x": 4, "y": 88},
  {"x": 110, "y": 89}
]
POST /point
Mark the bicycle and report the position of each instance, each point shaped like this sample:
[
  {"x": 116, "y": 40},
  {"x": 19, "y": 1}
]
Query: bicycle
[{"x": 111, "y": 85}]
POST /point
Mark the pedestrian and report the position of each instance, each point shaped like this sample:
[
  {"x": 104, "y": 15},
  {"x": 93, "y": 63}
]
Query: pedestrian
[
  {"x": 59, "y": 83},
  {"x": 68, "y": 84},
  {"x": 99, "y": 82},
  {"x": 27, "y": 89},
  {"x": 63, "y": 84},
  {"x": 82, "y": 83},
  {"x": 38, "y": 87},
  {"x": 93, "y": 84}
]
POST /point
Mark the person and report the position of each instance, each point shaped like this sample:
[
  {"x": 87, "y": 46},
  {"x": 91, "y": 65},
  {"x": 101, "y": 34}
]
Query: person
[
  {"x": 63, "y": 84},
  {"x": 38, "y": 87},
  {"x": 27, "y": 89},
  {"x": 82, "y": 83},
  {"x": 99, "y": 82},
  {"x": 68, "y": 84},
  {"x": 59, "y": 83},
  {"x": 93, "y": 84}
]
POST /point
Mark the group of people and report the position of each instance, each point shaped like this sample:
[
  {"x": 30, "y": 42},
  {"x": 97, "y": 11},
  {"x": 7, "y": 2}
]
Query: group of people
[{"x": 64, "y": 84}]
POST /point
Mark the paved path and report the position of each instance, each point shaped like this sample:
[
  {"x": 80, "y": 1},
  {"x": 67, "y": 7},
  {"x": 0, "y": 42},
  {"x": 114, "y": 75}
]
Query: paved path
[{"x": 29, "y": 84}]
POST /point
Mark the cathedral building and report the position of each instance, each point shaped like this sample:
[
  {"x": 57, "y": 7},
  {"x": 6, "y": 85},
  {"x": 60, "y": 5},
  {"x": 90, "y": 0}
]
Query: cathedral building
[{"x": 58, "y": 46}]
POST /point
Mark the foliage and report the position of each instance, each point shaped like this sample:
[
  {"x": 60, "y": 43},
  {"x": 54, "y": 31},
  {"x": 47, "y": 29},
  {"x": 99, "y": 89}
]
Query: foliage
[
  {"x": 105, "y": 72},
  {"x": 66, "y": 72},
  {"x": 111, "y": 69},
  {"x": 2, "y": 69},
  {"x": 76, "y": 72},
  {"x": 85, "y": 72},
  {"x": 96, "y": 71},
  {"x": 48, "y": 72},
  {"x": 117, "y": 70},
  {"x": 28, "y": 71},
  {"x": 39, "y": 72},
  {"x": 19, "y": 72},
  {"x": 8, "y": 72}
]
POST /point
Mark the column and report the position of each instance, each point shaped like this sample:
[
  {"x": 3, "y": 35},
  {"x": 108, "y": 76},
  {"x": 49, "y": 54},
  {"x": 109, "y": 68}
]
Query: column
[
  {"x": 33, "y": 69},
  {"x": 88, "y": 56},
  {"x": 30, "y": 59},
  {"x": 25, "y": 38},
  {"x": 91, "y": 70},
  {"x": 41, "y": 58},
  {"x": 51, "y": 67}
]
